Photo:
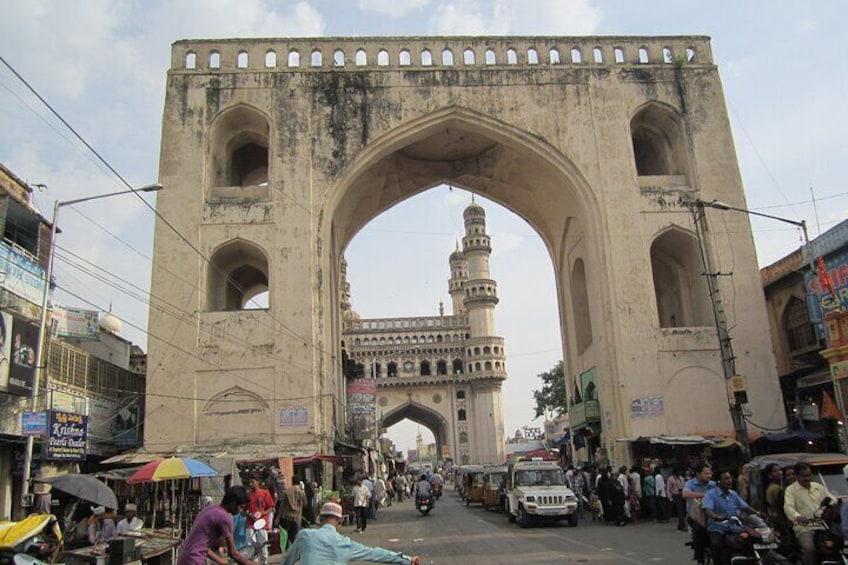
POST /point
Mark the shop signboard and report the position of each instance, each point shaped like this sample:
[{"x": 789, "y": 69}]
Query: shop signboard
[
  {"x": 67, "y": 436},
  {"x": 21, "y": 275},
  {"x": 646, "y": 407},
  {"x": 76, "y": 323},
  {"x": 34, "y": 423},
  {"x": 820, "y": 303},
  {"x": 293, "y": 417}
]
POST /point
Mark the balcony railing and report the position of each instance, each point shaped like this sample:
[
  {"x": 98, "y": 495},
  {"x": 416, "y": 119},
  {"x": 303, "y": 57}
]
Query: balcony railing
[{"x": 583, "y": 413}]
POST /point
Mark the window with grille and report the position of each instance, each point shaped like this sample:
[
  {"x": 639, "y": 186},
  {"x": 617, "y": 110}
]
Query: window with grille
[{"x": 796, "y": 321}]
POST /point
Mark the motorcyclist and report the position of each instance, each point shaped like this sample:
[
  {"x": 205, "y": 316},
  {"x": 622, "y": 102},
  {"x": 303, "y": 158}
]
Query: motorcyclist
[
  {"x": 694, "y": 491},
  {"x": 422, "y": 489},
  {"x": 720, "y": 504},
  {"x": 801, "y": 501}
]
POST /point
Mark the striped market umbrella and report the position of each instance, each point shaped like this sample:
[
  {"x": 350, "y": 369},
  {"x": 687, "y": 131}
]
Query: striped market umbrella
[{"x": 170, "y": 469}]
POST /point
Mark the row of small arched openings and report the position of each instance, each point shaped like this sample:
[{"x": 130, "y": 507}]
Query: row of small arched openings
[
  {"x": 486, "y": 350},
  {"x": 406, "y": 340},
  {"x": 424, "y": 368},
  {"x": 426, "y": 57}
]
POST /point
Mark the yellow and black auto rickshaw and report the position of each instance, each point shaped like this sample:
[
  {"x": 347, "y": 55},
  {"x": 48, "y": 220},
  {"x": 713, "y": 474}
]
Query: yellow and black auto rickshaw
[{"x": 494, "y": 491}]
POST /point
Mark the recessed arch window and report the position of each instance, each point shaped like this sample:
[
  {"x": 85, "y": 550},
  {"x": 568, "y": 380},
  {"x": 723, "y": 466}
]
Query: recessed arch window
[
  {"x": 426, "y": 58},
  {"x": 478, "y": 367},
  {"x": 270, "y": 59},
  {"x": 236, "y": 275},
  {"x": 490, "y": 57},
  {"x": 580, "y": 307},
  {"x": 439, "y": 338},
  {"x": 191, "y": 60},
  {"x": 457, "y": 366},
  {"x": 317, "y": 58},
  {"x": 511, "y": 57},
  {"x": 357, "y": 342},
  {"x": 576, "y": 56},
  {"x": 468, "y": 57},
  {"x": 797, "y": 326},
  {"x": 476, "y": 351},
  {"x": 532, "y": 57},
  {"x": 487, "y": 350},
  {"x": 667, "y": 55},
  {"x": 598, "y": 55},
  {"x": 681, "y": 292},
  {"x": 487, "y": 366},
  {"x": 441, "y": 367},
  {"x": 242, "y": 60},
  {"x": 338, "y": 58},
  {"x": 643, "y": 55},
  {"x": 618, "y": 53},
  {"x": 463, "y": 437},
  {"x": 392, "y": 369},
  {"x": 553, "y": 56},
  {"x": 239, "y": 143},
  {"x": 447, "y": 58},
  {"x": 658, "y": 147},
  {"x": 460, "y": 415},
  {"x": 460, "y": 395},
  {"x": 404, "y": 58},
  {"x": 425, "y": 369},
  {"x": 214, "y": 60}
]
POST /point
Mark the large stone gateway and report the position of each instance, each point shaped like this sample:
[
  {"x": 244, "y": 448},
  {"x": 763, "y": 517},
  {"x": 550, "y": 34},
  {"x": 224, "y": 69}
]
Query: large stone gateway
[{"x": 276, "y": 152}]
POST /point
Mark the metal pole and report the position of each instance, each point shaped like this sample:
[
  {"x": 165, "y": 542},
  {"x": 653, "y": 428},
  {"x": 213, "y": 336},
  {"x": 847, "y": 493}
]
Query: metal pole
[
  {"x": 39, "y": 356},
  {"x": 728, "y": 360}
]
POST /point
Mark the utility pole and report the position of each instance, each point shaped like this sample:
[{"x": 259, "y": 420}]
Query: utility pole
[{"x": 728, "y": 360}]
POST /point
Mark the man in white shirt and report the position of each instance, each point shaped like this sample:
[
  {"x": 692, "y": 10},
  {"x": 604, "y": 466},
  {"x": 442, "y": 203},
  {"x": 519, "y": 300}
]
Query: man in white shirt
[
  {"x": 131, "y": 523},
  {"x": 662, "y": 496},
  {"x": 801, "y": 501}
]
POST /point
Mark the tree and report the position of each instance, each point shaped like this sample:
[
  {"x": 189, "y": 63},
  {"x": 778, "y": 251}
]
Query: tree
[{"x": 552, "y": 397}]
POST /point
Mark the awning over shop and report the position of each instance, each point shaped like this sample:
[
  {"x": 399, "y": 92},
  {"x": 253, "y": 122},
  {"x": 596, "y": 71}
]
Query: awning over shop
[
  {"x": 668, "y": 440},
  {"x": 334, "y": 459},
  {"x": 798, "y": 435}
]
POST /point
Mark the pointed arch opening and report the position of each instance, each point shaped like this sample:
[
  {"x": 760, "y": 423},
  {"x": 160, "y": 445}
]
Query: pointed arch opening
[
  {"x": 681, "y": 293},
  {"x": 239, "y": 144},
  {"x": 658, "y": 144},
  {"x": 580, "y": 307},
  {"x": 237, "y": 278}
]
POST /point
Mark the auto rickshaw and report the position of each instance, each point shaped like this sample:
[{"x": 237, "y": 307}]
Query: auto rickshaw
[
  {"x": 827, "y": 470},
  {"x": 494, "y": 481},
  {"x": 472, "y": 490}
]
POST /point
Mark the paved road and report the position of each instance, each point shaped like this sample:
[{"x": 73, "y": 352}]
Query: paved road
[{"x": 456, "y": 534}]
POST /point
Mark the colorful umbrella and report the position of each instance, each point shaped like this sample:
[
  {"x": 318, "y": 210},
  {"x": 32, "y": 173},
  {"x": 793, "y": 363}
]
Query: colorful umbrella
[{"x": 172, "y": 468}]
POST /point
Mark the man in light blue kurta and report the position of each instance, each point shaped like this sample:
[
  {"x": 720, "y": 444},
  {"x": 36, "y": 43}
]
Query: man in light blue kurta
[{"x": 326, "y": 546}]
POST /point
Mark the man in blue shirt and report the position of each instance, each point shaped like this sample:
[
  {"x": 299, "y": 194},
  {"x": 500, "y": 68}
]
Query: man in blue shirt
[
  {"x": 694, "y": 491},
  {"x": 325, "y": 546},
  {"x": 720, "y": 504}
]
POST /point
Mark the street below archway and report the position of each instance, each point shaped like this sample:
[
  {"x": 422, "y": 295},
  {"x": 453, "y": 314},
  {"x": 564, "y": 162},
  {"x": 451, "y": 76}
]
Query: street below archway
[{"x": 456, "y": 534}]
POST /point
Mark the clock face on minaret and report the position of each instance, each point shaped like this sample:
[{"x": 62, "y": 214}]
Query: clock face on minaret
[{"x": 408, "y": 366}]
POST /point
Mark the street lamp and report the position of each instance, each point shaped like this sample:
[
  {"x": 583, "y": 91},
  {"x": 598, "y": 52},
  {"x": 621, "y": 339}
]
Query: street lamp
[{"x": 42, "y": 323}]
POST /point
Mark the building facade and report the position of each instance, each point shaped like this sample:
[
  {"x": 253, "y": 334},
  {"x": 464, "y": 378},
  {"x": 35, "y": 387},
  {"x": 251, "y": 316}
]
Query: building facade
[
  {"x": 445, "y": 371},
  {"x": 276, "y": 152}
]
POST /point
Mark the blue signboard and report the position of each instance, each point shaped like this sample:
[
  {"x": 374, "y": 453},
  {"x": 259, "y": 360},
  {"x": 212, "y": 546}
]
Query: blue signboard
[
  {"x": 67, "y": 436},
  {"x": 21, "y": 275},
  {"x": 820, "y": 303},
  {"x": 34, "y": 423}
]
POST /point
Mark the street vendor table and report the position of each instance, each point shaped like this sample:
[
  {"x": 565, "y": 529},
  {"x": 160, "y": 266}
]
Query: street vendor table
[{"x": 155, "y": 550}]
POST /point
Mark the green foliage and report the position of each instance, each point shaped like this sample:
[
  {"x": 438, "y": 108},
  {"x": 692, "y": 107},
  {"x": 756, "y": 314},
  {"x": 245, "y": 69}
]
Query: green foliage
[{"x": 552, "y": 397}]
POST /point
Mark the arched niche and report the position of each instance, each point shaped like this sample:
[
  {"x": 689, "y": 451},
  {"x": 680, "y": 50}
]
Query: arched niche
[
  {"x": 680, "y": 290},
  {"x": 237, "y": 273},
  {"x": 658, "y": 141},
  {"x": 238, "y": 149}
]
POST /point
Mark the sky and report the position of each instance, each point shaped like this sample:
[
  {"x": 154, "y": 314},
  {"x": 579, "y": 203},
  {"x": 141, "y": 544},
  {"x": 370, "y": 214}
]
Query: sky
[{"x": 102, "y": 65}]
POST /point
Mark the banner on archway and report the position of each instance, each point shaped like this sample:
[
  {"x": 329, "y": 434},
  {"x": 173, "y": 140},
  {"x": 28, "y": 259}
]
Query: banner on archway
[{"x": 362, "y": 403}]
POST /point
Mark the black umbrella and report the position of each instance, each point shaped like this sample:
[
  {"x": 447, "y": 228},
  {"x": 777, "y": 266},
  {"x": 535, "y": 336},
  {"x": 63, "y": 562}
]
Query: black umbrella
[{"x": 84, "y": 487}]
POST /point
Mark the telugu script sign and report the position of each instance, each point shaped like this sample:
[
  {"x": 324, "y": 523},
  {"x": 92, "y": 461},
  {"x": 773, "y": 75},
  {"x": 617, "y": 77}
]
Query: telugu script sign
[
  {"x": 293, "y": 417},
  {"x": 76, "y": 323},
  {"x": 21, "y": 275},
  {"x": 67, "y": 436}
]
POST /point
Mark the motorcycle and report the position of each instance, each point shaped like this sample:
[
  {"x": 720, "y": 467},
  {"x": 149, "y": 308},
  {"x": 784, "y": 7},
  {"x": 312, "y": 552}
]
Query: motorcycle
[
  {"x": 423, "y": 504},
  {"x": 827, "y": 535},
  {"x": 753, "y": 541},
  {"x": 437, "y": 490},
  {"x": 36, "y": 538}
]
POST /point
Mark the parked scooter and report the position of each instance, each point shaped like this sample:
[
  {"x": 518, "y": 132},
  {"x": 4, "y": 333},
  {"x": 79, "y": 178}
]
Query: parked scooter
[{"x": 36, "y": 538}]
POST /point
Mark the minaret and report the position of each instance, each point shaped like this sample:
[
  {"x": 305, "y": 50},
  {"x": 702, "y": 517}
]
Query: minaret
[
  {"x": 481, "y": 292},
  {"x": 459, "y": 274}
]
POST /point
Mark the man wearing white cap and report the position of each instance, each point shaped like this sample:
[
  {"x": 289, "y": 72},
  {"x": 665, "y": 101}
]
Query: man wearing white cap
[
  {"x": 131, "y": 523},
  {"x": 101, "y": 526},
  {"x": 326, "y": 546}
]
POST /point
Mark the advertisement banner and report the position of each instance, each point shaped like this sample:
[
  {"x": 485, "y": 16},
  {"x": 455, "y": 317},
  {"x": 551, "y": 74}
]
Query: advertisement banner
[
  {"x": 22, "y": 366},
  {"x": 76, "y": 323},
  {"x": 646, "y": 407},
  {"x": 5, "y": 349},
  {"x": 21, "y": 275},
  {"x": 293, "y": 417},
  {"x": 362, "y": 403},
  {"x": 67, "y": 436}
]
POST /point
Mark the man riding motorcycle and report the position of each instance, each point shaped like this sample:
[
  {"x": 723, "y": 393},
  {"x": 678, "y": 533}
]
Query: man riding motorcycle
[
  {"x": 801, "y": 501},
  {"x": 720, "y": 505},
  {"x": 423, "y": 490}
]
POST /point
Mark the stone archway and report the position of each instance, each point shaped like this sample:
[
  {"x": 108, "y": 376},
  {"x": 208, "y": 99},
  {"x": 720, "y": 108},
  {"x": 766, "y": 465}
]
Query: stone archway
[{"x": 420, "y": 414}]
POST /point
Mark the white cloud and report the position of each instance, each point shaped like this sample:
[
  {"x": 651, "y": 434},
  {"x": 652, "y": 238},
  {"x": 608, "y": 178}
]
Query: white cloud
[
  {"x": 543, "y": 17},
  {"x": 392, "y": 8},
  {"x": 807, "y": 24}
]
